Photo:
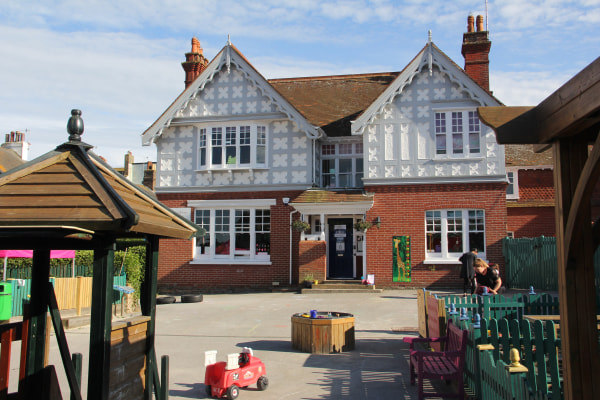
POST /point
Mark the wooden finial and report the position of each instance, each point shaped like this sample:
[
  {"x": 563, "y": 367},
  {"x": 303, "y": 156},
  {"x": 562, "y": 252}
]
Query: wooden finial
[{"x": 515, "y": 365}]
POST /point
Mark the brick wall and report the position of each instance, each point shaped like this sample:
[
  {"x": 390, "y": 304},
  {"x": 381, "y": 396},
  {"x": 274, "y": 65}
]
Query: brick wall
[
  {"x": 402, "y": 212},
  {"x": 312, "y": 260},
  {"x": 531, "y": 221},
  {"x": 177, "y": 274}
]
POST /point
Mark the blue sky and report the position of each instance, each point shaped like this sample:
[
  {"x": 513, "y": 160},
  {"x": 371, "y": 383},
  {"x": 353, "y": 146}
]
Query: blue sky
[{"x": 120, "y": 61}]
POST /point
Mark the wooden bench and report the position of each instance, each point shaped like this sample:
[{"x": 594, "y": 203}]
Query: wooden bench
[{"x": 445, "y": 365}]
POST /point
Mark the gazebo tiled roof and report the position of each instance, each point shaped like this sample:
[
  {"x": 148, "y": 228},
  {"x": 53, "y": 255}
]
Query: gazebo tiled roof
[{"x": 71, "y": 186}]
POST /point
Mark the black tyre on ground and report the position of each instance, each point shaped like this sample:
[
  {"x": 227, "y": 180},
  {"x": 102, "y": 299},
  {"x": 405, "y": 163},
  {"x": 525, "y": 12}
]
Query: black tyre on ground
[
  {"x": 191, "y": 298},
  {"x": 233, "y": 392},
  {"x": 165, "y": 300},
  {"x": 262, "y": 383}
]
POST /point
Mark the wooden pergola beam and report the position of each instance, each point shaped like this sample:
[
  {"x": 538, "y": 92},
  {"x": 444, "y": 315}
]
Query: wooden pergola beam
[{"x": 569, "y": 121}]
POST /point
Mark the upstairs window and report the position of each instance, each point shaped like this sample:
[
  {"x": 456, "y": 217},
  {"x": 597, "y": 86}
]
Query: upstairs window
[
  {"x": 512, "y": 177},
  {"x": 232, "y": 146},
  {"x": 457, "y": 133},
  {"x": 342, "y": 165}
]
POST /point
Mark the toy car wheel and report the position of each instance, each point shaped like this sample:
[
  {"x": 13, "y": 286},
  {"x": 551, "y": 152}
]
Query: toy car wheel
[
  {"x": 233, "y": 392},
  {"x": 208, "y": 390},
  {"x": 262, "y": 383}
]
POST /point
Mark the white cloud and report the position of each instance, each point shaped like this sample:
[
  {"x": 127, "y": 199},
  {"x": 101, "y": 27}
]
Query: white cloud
[{"x": 525, "y": 88}]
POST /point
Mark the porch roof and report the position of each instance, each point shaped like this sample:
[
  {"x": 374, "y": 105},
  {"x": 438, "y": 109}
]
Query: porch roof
[{"x": 315, "y": 201}]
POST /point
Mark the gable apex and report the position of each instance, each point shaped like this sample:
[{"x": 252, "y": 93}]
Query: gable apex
[
  {"x": 429, "y": 56},
  {"x": 228, "y": 56}
]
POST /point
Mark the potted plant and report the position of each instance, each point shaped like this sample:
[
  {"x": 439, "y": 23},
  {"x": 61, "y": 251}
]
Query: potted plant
[
  {"x": 308, "y": 280},
  {"x": 300, "y": 226},
  {"x": 362, "y": 225}
]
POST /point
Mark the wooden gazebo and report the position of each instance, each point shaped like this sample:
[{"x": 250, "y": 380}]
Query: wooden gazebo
[
  {"x": 568, "y": 121},
  {"x": 69, "y": 198}
]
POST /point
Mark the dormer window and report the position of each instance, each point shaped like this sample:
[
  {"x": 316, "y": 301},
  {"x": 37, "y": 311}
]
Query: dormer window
[{"x": 232, "y": 146}]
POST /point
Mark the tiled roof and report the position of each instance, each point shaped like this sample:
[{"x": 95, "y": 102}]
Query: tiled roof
[
  {"x": 522, "y": 155},
  {"x": 332, "y": 102},
  {"x": 9, "y": 159},
  {"x": 324, "y": 196}
]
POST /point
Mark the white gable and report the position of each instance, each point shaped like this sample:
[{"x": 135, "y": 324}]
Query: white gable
[{"x": 227, "y": 68}]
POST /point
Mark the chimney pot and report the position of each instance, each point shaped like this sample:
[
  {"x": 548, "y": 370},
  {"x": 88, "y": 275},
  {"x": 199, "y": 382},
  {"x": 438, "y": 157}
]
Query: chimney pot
[
  {"x": 194, "y": 63},
  {"x": 470, "y": 23},
  {"x": 479, "y": 23}
]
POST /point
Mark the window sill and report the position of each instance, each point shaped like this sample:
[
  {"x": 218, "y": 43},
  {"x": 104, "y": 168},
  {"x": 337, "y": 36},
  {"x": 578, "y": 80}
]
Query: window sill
[
  {"x": 232, "y": 168},
  {"x": 442, "y": 261},
  {"x": 477, "y": 157},
  {"x": 230, "y": 261}
]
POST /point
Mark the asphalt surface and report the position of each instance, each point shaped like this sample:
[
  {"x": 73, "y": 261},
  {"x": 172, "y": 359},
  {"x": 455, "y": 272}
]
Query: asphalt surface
[{"x": 376, "y": 369}]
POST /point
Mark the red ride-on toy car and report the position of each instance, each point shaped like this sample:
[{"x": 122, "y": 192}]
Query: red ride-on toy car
[{"x": 240, "y": 370}]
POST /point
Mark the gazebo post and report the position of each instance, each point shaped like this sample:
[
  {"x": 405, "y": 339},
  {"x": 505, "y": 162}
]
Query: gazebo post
[
  {"x": 100, "y": 323},
  {"x": 148, "y": 305},
  {"x": 36, "y": 337}
]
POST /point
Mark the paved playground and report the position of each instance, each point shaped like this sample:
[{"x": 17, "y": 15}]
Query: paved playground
[{"x": 376, "y": 369}]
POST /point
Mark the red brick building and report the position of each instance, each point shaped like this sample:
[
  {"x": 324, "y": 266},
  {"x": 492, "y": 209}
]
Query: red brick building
[{"x": 392, "y": 172}]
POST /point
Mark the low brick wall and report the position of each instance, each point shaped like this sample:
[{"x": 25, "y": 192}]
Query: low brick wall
[{"x": 312, "y": 260}]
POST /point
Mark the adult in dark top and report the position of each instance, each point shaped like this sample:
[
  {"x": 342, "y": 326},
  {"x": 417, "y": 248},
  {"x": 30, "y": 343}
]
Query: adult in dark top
[
  {"x": 487, "y": 276},
  {"x": 467, "y": 272}
]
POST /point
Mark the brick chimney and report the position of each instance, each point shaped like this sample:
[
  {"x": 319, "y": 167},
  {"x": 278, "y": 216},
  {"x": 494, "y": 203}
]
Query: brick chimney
[
  {"x": 476, "y": 49},
  {"x": 16, "y": 141},
  {"x": 194, "y": 63}
]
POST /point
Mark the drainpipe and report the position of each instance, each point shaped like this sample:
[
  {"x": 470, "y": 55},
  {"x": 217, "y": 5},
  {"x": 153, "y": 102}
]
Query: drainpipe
[{"x": 286, "y": 202}]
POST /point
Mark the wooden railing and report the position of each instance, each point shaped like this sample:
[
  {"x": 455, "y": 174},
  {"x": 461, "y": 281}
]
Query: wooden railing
[{"x": 537, "y": 343}]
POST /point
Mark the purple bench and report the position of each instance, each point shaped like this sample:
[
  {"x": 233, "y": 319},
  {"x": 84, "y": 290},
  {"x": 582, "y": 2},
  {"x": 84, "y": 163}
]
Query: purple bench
[{"x": 445, "y": 365}]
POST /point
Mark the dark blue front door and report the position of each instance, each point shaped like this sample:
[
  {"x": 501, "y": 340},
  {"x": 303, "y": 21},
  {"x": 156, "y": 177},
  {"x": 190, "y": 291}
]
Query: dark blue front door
[{"x": 340, "y": 248}]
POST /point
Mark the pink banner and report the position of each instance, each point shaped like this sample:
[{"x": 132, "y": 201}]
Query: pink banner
[{"x": 29, "y": 253}]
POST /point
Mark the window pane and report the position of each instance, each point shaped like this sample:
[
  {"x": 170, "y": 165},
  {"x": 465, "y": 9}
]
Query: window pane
[
  {"x": 202, "y": 219},
  {"x": 230, "y": 145},
  {"x": 263, "y": 228},
  {"x": 328, "y": 149},
  {"x": 474, "y": 143},
  {"x": 457, "y": 133},
  {"x": 261, "y": 142},
  {"x": 328, "y": 173},
  {"x": 440, "y": 144},
  {"x": 510, "y": 189},
  {"x": 244, "y": 145},
  {"x": 222, "y": 235},
  {"x": 202, "y": 147},
  {"x": 217, "y": 146},
  {"x": 433, "y": 222},
  {"x": 454, "y": 224},
  {"x": 345, "y": 148},
  {"x": 477, "y": 230}
]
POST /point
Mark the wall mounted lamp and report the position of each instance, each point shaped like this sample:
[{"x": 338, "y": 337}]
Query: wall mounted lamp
[{"x": 378, "y": 222}]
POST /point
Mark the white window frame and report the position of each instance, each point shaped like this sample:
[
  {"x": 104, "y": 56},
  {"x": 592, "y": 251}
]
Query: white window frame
[
  {"x": 449, "y": 132},
  {"x": 234, "y": 257},
  {"x": 231, "y": 140},
  {"x": 514, "y": 182},
  {"x": 444, "y": 256},
  {"x": 357, "y": 159}
]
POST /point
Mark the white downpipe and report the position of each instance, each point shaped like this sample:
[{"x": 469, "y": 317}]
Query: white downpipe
[{"x": 291, "y": 213}]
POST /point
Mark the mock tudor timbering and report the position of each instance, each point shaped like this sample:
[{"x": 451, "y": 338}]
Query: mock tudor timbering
[{"x": 245, "y": 156}]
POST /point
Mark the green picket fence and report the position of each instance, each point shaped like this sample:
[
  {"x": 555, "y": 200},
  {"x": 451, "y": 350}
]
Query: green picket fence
[
  {"x": 539, "y": 348},
  {"x": 532, "y": 262}
]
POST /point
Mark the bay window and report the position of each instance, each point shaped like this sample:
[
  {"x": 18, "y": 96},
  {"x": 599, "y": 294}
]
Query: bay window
[
  {"x": 232, "y": 146},
  {"x": 233, "y": 234},
  {"x": 342, "y": 165},
  {"x": 449, "y": 233}
]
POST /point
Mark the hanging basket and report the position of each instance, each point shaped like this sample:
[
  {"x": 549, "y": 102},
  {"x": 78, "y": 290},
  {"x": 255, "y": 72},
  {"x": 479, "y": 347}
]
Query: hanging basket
[
  {"x": 362, "y": 225},
  {"x": 300, "y": 226}
]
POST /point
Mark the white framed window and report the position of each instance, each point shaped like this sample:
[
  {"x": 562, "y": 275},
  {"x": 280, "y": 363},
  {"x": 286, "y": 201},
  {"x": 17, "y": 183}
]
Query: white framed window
[
  {"x": 227, "y": 146},
  {"x": 457, "y": 133},
  {"x": 450, "y": 233},
  {"x": 512, "y": 177},
  {"x": 342, "y": 165},
  {"x": 234, "y": 234}
]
